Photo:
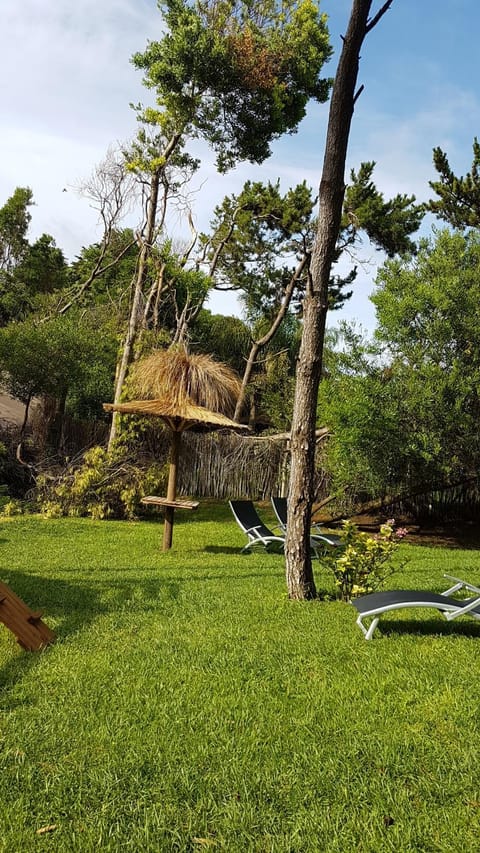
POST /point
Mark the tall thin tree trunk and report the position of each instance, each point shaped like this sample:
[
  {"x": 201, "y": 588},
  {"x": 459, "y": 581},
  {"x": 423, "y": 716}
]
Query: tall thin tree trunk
[
  {"x": 171, "y": 489},
  {"x": 267, "y": 337},
  {"x": 299, "y": 571},
  {"x": 136, "y": 315},
  {"x": 154, "y": 222}
]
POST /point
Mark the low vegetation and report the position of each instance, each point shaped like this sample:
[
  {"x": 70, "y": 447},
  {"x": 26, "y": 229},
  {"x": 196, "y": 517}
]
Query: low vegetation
[{"x": 187, "y": 705}]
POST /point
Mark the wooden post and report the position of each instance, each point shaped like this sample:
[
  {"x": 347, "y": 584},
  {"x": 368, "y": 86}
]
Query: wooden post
[{"x": 171, "y": 489}]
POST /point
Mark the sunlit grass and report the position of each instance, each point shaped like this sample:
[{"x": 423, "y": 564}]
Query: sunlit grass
[{"x": 188, "y": 705}]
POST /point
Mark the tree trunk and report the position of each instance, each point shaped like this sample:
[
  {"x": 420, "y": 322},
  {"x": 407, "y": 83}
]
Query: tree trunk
[
  {"x": 135, "y": 318},
  {"x": 299, "y": 571},
  {"x": 154, "y": 223},
  {"x": 171, "y": 489},
  {"x": 267, "y": 337}
]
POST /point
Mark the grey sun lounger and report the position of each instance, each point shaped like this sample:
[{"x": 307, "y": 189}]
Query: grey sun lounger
[
  {"x": 260, "y": 536},
  {"x": 319, "y": 536},
  {"x": 256, "y": 531},
  {"x": 376, "y": 604}
]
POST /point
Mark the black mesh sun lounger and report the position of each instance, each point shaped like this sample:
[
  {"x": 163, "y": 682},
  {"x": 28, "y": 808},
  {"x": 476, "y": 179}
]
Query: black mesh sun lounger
[
  {"x": 376, "y": 604},
  {"x": 318, "y": 536},
  {"x": 257, "y": 533}
]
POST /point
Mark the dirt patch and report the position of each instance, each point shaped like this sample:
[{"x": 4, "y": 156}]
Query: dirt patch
[
  {"x": 447, "y": 535},
  {"x": 11, "y": 410}
]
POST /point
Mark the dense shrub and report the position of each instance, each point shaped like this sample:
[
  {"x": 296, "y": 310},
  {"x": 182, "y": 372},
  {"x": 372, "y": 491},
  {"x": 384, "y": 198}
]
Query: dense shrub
[{"x": 103, "y": 486}]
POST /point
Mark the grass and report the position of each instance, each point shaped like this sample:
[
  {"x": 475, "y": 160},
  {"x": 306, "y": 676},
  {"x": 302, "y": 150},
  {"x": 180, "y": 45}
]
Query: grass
[{"x": 187, "y": 705}]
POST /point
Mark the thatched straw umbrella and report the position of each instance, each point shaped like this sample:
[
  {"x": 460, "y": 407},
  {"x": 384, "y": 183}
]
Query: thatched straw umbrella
[{"x": 189, "y": 392}]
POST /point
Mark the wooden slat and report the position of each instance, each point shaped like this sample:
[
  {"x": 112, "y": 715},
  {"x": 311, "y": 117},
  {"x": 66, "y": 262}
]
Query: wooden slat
[
  {"x": 31, "y": 633},
  {"x": 152, "y": 499}
]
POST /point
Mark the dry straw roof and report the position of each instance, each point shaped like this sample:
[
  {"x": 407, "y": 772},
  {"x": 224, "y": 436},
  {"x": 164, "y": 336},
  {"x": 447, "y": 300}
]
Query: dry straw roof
[
  {"x": 187, "y": 378},
  {"x": 179, "y": 414}
]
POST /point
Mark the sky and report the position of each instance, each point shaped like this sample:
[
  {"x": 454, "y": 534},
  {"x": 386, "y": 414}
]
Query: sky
[{"x": 68, "y": 82}]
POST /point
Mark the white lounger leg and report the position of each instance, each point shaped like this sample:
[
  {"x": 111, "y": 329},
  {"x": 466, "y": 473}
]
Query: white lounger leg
[
  {"x": 368, "y": 631},
  {"x": 459, "y": 585}
]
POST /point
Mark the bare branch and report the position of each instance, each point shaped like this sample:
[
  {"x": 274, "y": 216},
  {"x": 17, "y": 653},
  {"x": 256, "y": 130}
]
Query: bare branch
[{"x": 373, "y": 23}]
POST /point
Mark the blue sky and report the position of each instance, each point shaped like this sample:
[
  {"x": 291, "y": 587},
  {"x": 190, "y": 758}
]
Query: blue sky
[{"x": 68, "y": 83}]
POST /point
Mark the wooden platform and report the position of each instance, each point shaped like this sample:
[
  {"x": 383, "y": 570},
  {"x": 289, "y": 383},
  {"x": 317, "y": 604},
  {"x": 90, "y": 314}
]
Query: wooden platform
[{"x": 153, "y": 500}]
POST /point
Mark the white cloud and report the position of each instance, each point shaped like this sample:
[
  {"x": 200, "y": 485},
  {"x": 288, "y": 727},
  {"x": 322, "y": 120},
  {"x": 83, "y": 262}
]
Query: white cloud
[
  {"x": 68, "y": 82},
  {"x": 67, "y": 99}
]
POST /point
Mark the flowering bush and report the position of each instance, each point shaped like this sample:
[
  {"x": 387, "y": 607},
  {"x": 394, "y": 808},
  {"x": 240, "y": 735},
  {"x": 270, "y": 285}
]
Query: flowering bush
[{"x": 366, "y": 560}]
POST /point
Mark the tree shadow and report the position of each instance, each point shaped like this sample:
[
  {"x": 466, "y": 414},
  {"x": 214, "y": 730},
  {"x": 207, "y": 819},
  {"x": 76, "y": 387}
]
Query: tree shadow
[
  {"x": 225, "y": 549},
  {"x": 70, "y": 607},
  {"x": 231, "y": 549}
]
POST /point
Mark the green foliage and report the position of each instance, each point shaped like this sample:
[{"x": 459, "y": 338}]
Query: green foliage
[
  {"x": 458, "y": 201},
  {"x": 428, "y": 315},
  {"x": 42, "y": 270},
  {"x": 369, "y": 441},
  {"x": 404, "y": 412},
  {"x": 275, "y": 388},
  {"x": 365, "y": 560},
  {"x": 388, "y": 224},
  {"x": 181, "y": 288},
  {"x": 260, "y": 231},
  {"x": 103, "y": 486},
  {"x": 14, "y": 221},
  {"x": 64, "y": 355},
  {"x": 238, "y": 74},
  {"x": 226, "y": 339},
  {"x": 118, "y": 262}
]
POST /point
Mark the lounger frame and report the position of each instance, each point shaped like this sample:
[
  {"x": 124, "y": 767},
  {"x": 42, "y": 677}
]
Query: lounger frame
[
  {"x": 319, "y": 538},
  {"x": 259, "y": 536},
  {"x": 375, "y": 605}
]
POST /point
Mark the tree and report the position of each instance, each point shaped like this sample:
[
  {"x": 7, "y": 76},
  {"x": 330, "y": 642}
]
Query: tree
[
  {"x": 42, "y": 271},
  {"x": 300, "y": 580},
  {"x": 14, "y": 221},
  {"x": 225, "y": 338},
  {"x": 383, "y": 421},
  {"x": 266, "y": 238},
  {"x": 404, "y": 410},
  {"x": 261, "y": 232},
  {"x": 388, "y": 224},
  {"x": 61, "y": 357},
  {"x": 428, "y": 317},
  {"x": 101, "y": 275},
  {"x": 236, "y": 74},
  {"x": 458, "y": 201}
]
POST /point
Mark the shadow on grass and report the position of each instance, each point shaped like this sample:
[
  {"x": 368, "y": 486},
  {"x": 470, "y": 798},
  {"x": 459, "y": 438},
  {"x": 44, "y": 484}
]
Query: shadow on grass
[
  {"x": 224, "y": 549},
  {"x": 74, "y": 606},
  {"x": 429, "y": 627},
  {"x": 229, "y": 549}
]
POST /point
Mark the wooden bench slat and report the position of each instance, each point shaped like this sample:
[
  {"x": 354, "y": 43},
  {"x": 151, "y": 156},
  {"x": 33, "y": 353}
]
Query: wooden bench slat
[{"x": 152, "y": 499}]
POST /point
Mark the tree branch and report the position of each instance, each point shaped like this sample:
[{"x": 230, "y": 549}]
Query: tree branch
[{"x": 373, "y": 23}]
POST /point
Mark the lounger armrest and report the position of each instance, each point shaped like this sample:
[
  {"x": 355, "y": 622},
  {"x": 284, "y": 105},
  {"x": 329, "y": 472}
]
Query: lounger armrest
[
  {"x": 460, "y": 584},
  {"x": 253, "y": 531}
]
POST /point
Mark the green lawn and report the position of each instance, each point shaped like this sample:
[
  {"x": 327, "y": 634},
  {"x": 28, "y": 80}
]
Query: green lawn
[{"x": 187, "y": 705}]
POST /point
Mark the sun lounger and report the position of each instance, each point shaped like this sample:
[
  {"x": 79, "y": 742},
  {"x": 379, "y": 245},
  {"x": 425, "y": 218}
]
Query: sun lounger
[
  {"x": 259, "y": 536},
  {"x": 376, "y": 604},
  {"x": 321, "y": 537}
]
